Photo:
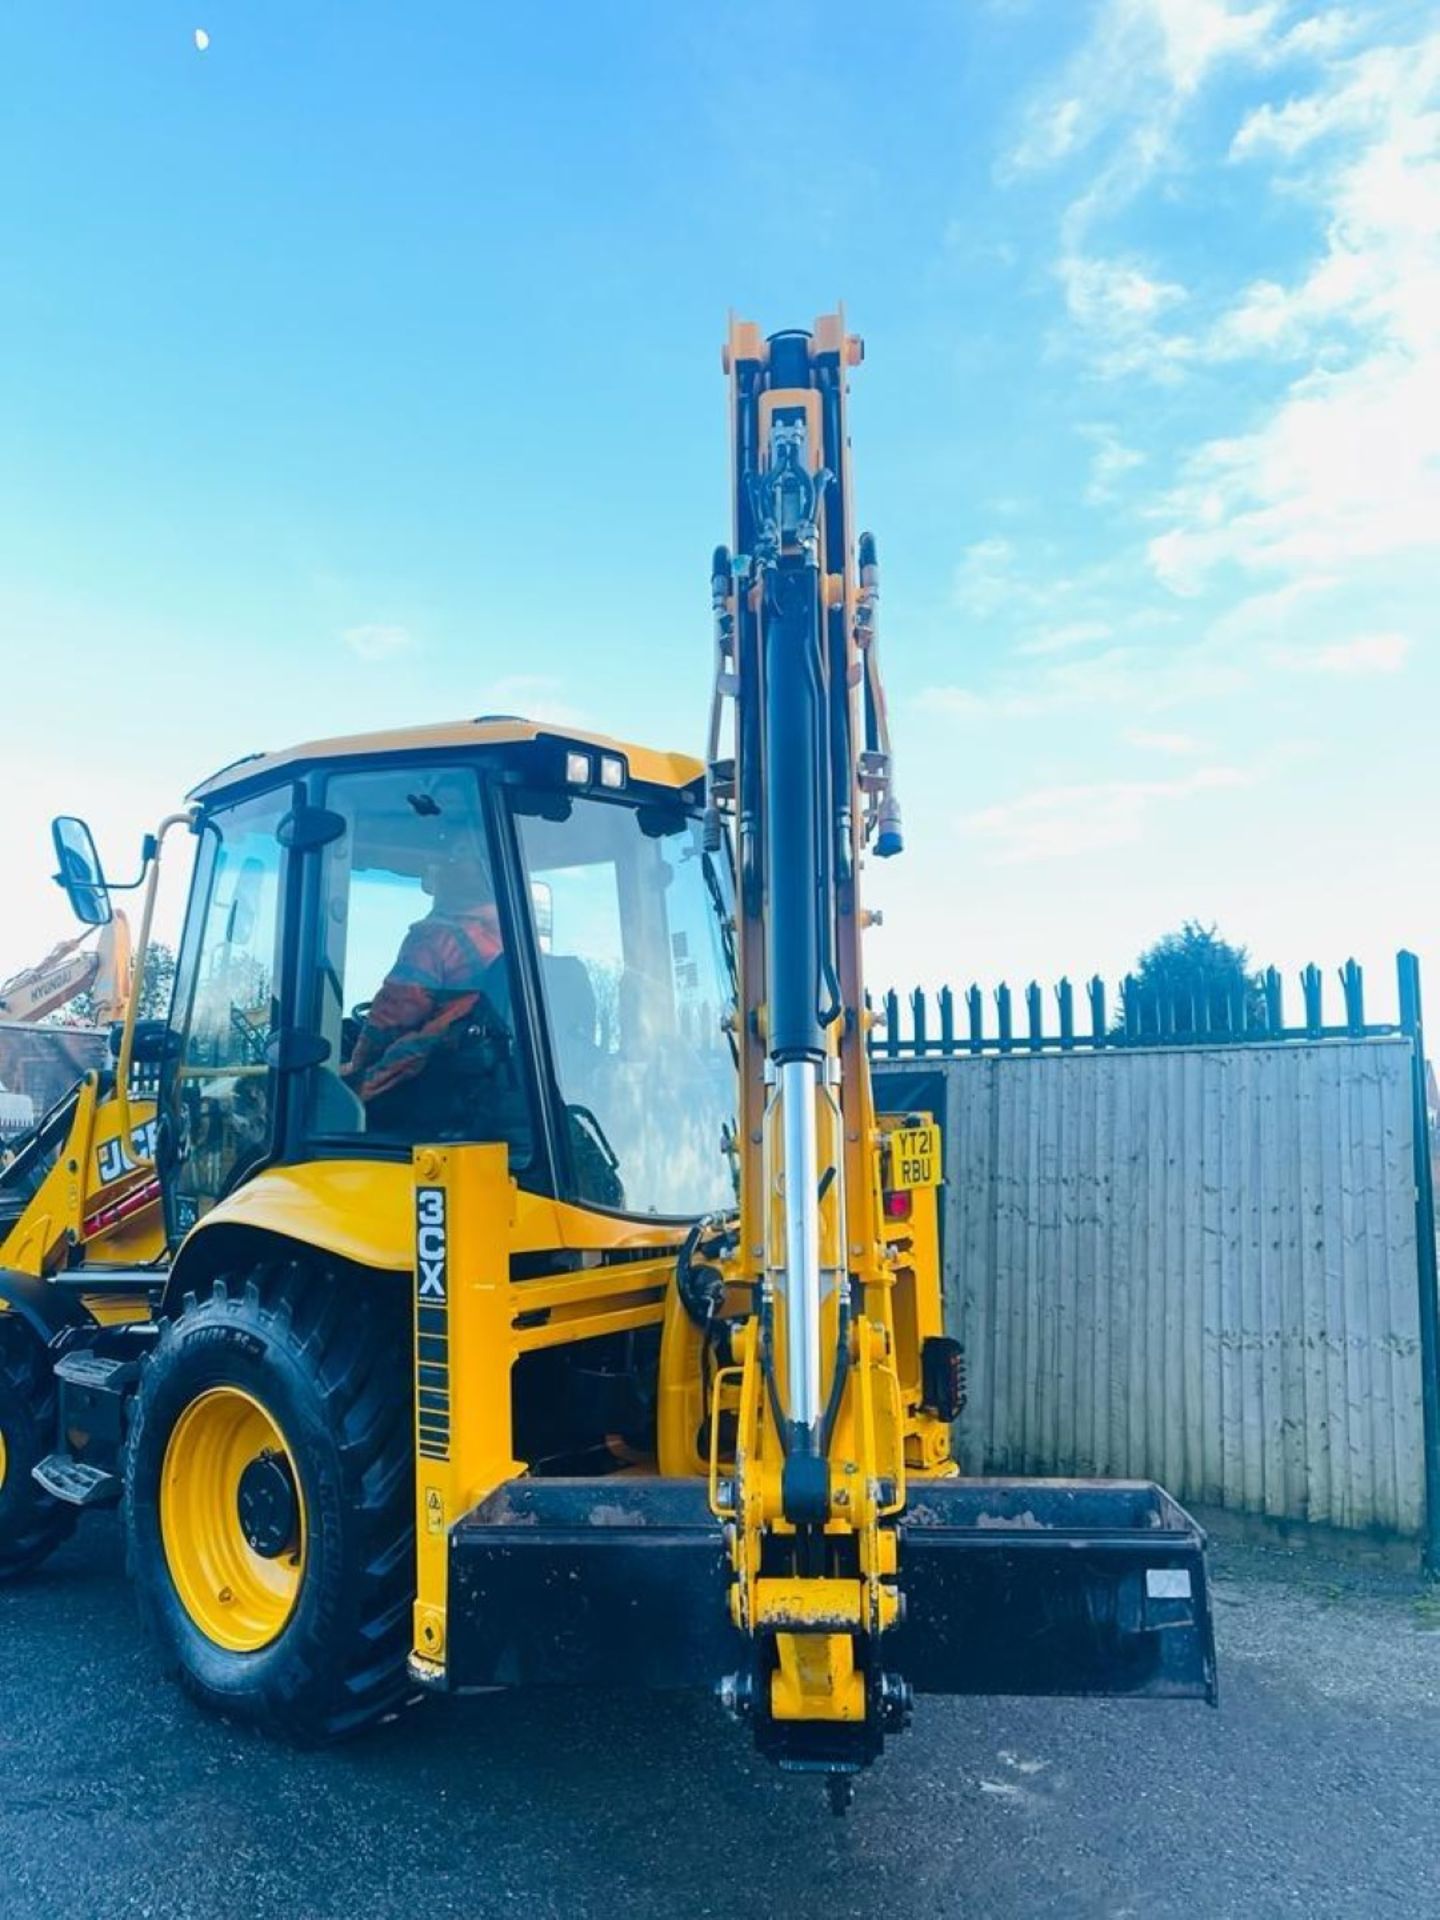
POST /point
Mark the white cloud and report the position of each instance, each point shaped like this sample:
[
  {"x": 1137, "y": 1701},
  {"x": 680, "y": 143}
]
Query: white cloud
[
  {"x": 1359, "y": 93},
  {"x": 1320, "y": 33},
  {"x": 1367, "y": 653},
  {"x": 960, "y": 703},
  {"x": 1177, "y": 745},
  {"x": 1116, "y": 304},
  {"x": 1266, "y": 318},
  {"x": 1119, "y": 680},
  {"x": 1126, "y": 91},
  {"x": 1268, "y": 615},
  {"x": 1065, "y": 639},
  {"x": 372, "y": 643},
  {"x": 1050, "y": 134},
  {"x": 1056, "y": 823},
  {"x": 1141, "y": 63},
  {"x": 1061, "y": 128},
  {"x": 1380, "y": 189},
  {"x": 1344, "y": 470},
  {"x": 1197, "y": 34},
  {"x": 1131, "y": 679},
  {"x": 1109, "y": 463},
  {"x": 534, "y": 696},
  {"x": 1133, "y": 80},
  {"x": 984, "y": 578},
  {"x": 1114, "y": 293},
  {"x": 1279, "y": 266}
]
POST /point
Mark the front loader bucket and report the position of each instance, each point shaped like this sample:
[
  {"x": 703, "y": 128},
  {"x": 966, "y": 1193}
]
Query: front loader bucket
[
  {"x": 1053, "y": 1587},
  {"x": 621, "y": 1582}
]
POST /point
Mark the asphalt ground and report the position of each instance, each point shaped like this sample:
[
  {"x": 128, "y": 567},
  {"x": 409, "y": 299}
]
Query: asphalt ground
[{"x": 1314, "y": 1790}]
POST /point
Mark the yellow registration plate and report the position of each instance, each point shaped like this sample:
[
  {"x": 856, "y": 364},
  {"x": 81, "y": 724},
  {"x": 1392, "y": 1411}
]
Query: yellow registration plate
[{"x": 914, "y": 1158}]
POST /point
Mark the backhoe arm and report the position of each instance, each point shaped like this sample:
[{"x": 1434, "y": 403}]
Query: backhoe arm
[{"x": 824, "y": 1423}]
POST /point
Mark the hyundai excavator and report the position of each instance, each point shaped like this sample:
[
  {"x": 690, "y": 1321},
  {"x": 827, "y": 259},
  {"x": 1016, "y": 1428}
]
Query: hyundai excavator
[
  {"x": 527, "y": 1290},
  {"x": 28, "y": 998},
  {"x": 39, "y": 1060},
  {"x": 68, "y": 970}
]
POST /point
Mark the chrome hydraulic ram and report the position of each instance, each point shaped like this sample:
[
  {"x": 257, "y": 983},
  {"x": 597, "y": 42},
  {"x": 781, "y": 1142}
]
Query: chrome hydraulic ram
[
  {"x": 801, "y": 1273},
  {"x": 787, "y": 497}
]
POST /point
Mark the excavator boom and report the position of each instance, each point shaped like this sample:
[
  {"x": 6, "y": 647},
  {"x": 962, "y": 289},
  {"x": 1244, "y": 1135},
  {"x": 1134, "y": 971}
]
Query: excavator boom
[{"x": 844, "y": 1512}]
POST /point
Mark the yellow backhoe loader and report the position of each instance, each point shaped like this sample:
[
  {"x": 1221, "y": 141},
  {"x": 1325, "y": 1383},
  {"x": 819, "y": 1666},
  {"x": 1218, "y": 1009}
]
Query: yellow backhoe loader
[{"x": 540, "y": 1298}]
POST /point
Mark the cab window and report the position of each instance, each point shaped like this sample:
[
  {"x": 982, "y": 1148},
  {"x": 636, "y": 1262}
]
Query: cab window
[
  {"x": 412, "y": 981},
  {"x": 630, "y": 917},
  {"x": 226, "y": 998}
]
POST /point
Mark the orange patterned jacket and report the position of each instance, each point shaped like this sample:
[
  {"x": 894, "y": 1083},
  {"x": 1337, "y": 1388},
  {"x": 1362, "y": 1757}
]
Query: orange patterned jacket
[{"x": 433, "y": 985}]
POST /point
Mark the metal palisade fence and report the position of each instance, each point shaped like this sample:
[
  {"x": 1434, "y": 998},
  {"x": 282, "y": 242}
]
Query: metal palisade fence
[
  {"x": 1191, "y": 1243},
  {"x": 939, "y": 1024}
]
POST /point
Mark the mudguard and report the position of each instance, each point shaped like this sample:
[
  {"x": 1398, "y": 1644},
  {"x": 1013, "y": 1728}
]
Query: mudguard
[{"x": 48, "y": 1309}]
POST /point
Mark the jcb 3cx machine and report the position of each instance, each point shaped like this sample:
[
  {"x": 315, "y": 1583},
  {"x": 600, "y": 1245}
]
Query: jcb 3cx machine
[{"x": 495, "y": 1272}]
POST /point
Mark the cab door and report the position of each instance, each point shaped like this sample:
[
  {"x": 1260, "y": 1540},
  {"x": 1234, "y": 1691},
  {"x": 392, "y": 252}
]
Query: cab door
[{"x": 219, "y": 1087}]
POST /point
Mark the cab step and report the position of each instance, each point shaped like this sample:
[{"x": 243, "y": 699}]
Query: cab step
[
  {"x": 97, "y": 1373},
  {"x": 75, "y": 1483},
  {"x": 84, "y": 1471}
]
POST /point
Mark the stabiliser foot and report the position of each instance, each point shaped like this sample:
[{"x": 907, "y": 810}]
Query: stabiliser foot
[{"x": 840, "y": 1792}]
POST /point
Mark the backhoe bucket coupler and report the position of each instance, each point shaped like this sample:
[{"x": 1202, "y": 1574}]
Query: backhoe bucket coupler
[{"x": 1010, "y": 1587}]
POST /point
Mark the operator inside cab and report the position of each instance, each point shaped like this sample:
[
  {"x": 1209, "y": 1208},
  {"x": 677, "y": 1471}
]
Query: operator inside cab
[{"x": 435, "y": 1045}]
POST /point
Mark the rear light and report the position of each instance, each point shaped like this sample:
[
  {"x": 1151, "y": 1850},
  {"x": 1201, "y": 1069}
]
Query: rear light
[
  {"x": 897, "y": 1205},
  {"x": 942, "y": 1377},
  {"x": 577, "y": 769},
  {"x": 612, "y": 772}
]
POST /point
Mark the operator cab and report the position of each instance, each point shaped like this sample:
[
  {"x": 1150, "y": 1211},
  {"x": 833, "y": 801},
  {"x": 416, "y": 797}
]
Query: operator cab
[{"x": 483, "y": 932}]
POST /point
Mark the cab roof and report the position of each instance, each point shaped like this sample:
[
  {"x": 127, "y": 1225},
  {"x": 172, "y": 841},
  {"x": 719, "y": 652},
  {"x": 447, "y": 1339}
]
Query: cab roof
[{"x": 489, "y": 730}]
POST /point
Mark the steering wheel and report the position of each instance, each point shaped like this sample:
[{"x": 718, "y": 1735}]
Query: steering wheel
[
  {"x": 350, "y": 1028},
  {"x": 492, "y": 1008}
]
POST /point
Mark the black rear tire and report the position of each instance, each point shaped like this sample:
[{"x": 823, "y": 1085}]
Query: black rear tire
[
  {"x": 32, "y": 1525},
  {"x": 326, "y": 1352}
]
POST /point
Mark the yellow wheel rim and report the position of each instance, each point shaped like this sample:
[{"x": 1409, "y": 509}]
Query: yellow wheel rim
[
  {"x": 237, "y": 1597},
  {"x": 2, "y": 1456}
]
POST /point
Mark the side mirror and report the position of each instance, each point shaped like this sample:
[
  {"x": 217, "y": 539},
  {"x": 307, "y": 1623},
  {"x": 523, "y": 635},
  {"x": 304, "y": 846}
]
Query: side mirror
[{"x": 80, "y": 872}]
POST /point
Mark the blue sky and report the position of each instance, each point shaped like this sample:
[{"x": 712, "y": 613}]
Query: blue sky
[{"x": 363, "y": 368}]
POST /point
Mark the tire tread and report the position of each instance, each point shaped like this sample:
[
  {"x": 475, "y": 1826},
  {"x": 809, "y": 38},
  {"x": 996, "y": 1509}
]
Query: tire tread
[
  {"x": 26, "y": 1378},
  {"x": 349, "y": 1336}
]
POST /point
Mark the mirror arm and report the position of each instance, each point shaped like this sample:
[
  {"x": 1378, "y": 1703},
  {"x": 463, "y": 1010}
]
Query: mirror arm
[{"x": 149, "y": 847}]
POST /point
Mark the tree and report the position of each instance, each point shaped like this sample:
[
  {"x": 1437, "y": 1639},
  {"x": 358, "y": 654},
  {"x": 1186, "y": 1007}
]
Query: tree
[
  {"x": 156, "y": 983},
  {"x": 1188, "y": 983}
]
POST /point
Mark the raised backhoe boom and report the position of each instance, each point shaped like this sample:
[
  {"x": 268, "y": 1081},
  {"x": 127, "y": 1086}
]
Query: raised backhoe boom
[
  {"x": 824, "y": 1427},
  {"x": 862, "y": 1567}
]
